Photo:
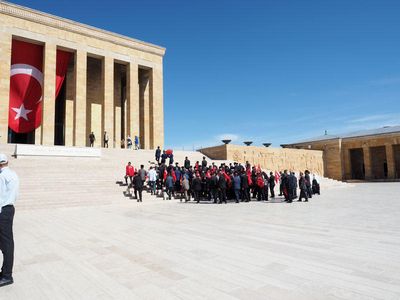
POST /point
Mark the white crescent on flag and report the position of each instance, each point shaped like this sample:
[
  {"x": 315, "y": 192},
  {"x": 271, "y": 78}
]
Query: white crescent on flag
[{"x": 28, "y": 70}]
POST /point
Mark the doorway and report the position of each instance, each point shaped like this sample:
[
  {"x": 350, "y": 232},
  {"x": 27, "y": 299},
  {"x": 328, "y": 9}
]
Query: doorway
[
  {"x": 357, "y": 164},
  {"x": 379, "y": 169}
]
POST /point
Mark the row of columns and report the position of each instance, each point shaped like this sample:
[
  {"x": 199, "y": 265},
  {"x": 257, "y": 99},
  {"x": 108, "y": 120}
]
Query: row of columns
[{"x": 152, "y": 118}]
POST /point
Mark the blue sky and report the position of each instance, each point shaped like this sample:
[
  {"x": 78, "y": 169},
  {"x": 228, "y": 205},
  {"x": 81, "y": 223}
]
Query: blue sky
[{"x": 267, "y": 71}]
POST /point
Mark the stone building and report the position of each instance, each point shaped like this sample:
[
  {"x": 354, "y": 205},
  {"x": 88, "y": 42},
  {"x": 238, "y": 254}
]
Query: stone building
[
  {"x": 272, "y": 159},
  {"x": 362, "y": 155},
  {"x": 113, "y": 83}
]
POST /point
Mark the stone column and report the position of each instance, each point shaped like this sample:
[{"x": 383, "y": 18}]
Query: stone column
[
  {"x": 108, "y": 106},
  {"x": 390, "y": 161},
  {"x": 367, "y": 163},
  {"x": 158, "y": 108},
  {"x": 48, "y": 104},
  {"x": 5, "y": 66},
  {"x": 70, "y": 79},
  {"x": 80, "y": 98},
  {"x": 132, "y": 88},
  {"x": 145, "y": 110}
]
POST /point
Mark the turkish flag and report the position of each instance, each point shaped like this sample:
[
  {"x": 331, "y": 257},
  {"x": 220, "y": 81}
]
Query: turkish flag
[{"x": 26, "y": 87}]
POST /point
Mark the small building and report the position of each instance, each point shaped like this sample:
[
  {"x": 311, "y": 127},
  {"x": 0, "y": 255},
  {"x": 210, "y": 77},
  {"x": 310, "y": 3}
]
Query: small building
[{"x": 362, "y": 155}]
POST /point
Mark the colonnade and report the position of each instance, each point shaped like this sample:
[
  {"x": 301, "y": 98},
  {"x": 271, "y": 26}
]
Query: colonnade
[{"x": 143, "y": 103}]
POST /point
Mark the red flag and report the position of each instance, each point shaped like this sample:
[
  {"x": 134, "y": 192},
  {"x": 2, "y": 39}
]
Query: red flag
[
  {"x": 26, "y": 87},
  {"x": 26, "y": 84},
  {"x": 63, "y": 58},
  {"x": 277, "y": 177},
  {"x": 249, "y": 176}
]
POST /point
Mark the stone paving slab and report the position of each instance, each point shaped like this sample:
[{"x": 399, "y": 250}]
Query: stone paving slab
[{"x": 343, "y": 244}]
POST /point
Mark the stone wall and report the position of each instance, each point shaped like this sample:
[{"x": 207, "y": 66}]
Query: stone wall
[{"x": 273, "y": 159}]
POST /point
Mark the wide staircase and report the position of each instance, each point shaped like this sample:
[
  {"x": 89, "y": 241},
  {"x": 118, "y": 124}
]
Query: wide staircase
[{"x": 48, "y": 182}]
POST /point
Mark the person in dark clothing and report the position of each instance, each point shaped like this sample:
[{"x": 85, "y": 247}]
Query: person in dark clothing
[
  {"x": 169, "y": 185},
  {"x": 171, "y": 159},
  {"x": 213, "y": 185},
  {"x": 315, "y": 186},
  {"x": 293, "y": 185},
  {"x": 271, "y": 182},
  {"x": 92, "y": 139},
  {"x": 204, "y": 163},
  {"x": 303, "y": 188},
  {"x": 158, "y": 154},
  {"x": 222, "y": 188},
  {"x": 236, "y": 186},
  {"x": 285, "y": 186},
  {"x": 266, "y": 185},
  {"x": 308, "y": 183},
  {"x": 244, "y": 184},
  {"x": 138, "y": 186},
  {"x": 186, "y": 163},
  {"x": 281, "y": 183},
  {"x": 254, "y": 183},
  {"x": 164, "y": 157},
  {"x": 178, "y": 176},
  {"x": 196, "y": 188}
]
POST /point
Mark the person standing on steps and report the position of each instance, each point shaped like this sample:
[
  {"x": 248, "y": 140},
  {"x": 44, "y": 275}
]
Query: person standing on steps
[
  {"x": 9, "y": 189},
  {"x": 137, "y": 144},
  {"x": 129, "y": 142},
  {"x": 105, "y": 139},
  {"x": 186, "y": 163},
  {"x": 92, "y": 139},
  {"x": 158, "y": 154}
]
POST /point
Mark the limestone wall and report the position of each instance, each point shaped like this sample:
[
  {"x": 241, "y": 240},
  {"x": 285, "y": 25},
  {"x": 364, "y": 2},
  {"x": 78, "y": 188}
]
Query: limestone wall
[{"x": 275, "y": 159}]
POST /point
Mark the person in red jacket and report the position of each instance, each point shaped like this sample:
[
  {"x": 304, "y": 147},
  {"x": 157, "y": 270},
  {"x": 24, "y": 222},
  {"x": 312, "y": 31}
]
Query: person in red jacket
[{"x": 129, "y": 172}]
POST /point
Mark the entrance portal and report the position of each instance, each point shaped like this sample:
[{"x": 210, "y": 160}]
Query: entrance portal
[
  {"x": 120, "y": 104},
  {"x": 396, "y": 154},
  {"x": 357, "y": 163},
  {"x": 379, "y": 167},
  {"x": 59, "y": 117}
]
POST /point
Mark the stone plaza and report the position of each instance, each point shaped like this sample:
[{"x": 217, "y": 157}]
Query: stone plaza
[{"x": 343, "y": 244}]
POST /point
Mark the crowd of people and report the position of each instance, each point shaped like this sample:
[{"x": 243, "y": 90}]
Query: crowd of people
[{"x": 218, "y": 184}]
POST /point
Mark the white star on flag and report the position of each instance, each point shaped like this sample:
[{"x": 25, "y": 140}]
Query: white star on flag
[{"x": 21, "y": 112}]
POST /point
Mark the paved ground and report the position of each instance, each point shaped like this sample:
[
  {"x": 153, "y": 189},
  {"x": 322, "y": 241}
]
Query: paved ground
[{"x": 344, "y": 244}]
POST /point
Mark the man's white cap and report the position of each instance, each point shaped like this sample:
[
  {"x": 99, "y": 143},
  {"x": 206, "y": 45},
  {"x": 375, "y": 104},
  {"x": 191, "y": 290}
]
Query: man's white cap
[{"x": 3, "y": 159}]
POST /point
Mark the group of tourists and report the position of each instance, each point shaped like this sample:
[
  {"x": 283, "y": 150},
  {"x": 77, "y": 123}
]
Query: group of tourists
[
  {"x": 129, "y": 143},
  {"x": 218, "y": 184}
]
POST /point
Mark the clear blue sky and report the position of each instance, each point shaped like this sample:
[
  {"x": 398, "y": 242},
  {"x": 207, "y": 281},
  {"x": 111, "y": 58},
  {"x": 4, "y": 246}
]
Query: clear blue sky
[{"x": 267, "y": 71}]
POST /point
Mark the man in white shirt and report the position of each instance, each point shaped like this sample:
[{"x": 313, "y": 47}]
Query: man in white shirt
[
  {"x": 9, "y": 187},
  {"x": 152, "y": 180}
]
